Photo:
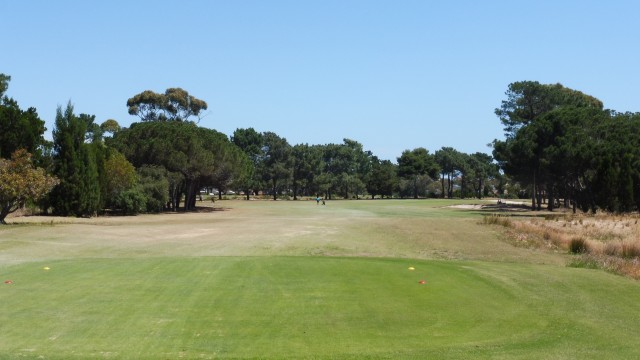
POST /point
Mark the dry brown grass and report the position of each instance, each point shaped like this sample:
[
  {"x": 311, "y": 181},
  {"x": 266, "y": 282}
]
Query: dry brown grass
[
  {"x": 398, "y": 229},
  {"x": 607, "y": 241}
]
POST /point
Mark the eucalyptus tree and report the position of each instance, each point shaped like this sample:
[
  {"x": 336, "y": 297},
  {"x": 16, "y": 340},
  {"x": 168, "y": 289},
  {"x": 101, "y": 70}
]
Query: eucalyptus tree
[
  {"x": 110, "y": 126},
  {"x": 175, "y": 104}
]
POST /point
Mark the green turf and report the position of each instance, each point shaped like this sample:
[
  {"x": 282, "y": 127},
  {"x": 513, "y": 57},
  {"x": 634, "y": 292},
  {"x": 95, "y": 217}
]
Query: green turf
[
  {"x": 315, "y": 307},
  {"x": 296, "y": 280}
]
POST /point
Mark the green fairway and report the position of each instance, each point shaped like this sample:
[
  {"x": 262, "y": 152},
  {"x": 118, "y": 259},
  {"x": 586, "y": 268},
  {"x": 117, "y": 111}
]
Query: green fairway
[{"x": 107, "y": 294}]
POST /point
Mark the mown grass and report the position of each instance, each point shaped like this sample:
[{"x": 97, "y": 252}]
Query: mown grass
[
  {"x": 317, "y": 307},
  {"x": 327, "y": 282}
]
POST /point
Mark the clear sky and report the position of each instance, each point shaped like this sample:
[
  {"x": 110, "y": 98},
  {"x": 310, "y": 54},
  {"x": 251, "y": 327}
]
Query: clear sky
[{"x": 392, "y": 75}]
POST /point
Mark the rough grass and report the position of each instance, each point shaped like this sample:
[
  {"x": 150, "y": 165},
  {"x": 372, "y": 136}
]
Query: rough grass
[
  {"x": 280, "y": 280},
  {"x": 611, "y": 242}
]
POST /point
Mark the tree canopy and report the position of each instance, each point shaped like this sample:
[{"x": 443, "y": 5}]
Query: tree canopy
[
  {"x": 21, "y": 181},
  {"x": 78, "y": 193},
  {"x": 175, "y": 104},
  {"x": 19, "y": 129},
  {"x": 562, "y": 144},
  {"x": 4, "y": 83}
]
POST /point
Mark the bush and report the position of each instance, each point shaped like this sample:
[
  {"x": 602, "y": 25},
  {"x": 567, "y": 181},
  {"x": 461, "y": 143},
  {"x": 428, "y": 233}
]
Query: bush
[
  {"x": 155, "y": 186},
  {"x": 131, "y": 202},
  {"x": 578, "y": 245}
]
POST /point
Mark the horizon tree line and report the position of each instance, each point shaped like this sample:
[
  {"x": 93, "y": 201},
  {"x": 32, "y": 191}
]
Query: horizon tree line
[{"x": 560, "y": 144}]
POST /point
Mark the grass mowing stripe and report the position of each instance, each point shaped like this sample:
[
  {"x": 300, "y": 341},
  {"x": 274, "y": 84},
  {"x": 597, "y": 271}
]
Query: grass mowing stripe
[{"x": 298, "y": 307}]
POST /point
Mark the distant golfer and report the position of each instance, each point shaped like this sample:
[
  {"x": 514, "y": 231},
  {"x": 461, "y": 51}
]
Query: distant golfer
[{"x": 318, "y": 200}]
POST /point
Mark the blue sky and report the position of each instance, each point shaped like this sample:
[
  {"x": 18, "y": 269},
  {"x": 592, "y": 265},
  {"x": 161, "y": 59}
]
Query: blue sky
[{"x": 392, "y": 75}]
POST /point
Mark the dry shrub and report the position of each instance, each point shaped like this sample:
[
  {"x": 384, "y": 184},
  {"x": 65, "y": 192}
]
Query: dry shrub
[
  {"x": 548, "y": 235},
  {"x": 578, "y": 245},
  {"x": 606, "y": 241},
  {"x": 613, "y": 264}
]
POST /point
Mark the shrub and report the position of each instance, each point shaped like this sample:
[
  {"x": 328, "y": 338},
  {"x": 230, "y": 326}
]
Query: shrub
[
  {"x": 578, "y": 245},
  {"x": 131, "y": 202},
  {"x": 155, "y": 186}
]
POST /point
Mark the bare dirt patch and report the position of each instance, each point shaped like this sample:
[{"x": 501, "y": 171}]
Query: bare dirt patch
[{"x": 503, "y": 206}]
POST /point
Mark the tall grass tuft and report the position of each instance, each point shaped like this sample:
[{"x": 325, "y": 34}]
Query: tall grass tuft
[
  {"x": 630, "y": 250},
  {"x": 613, "y": 248},
  {"x": 585, "y": 262},
  {"x": 496, "y": 220},
  {"x": 578, "y": 245}
]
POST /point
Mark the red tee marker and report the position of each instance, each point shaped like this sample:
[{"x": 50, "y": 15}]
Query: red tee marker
[
  {"x": 8, "y": 282},
  {"x": 422, "y": 282}
]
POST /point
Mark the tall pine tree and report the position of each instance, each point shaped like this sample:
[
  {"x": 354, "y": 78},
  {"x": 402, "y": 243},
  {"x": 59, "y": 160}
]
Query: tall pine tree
[{"x": 78, "y": 193}]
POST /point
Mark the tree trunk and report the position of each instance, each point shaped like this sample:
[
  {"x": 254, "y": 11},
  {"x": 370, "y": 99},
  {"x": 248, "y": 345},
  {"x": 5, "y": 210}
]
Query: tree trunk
[
  {"x": 189, "y": 198},
  {"x": 275, "y": 193},
  {"x": 295, "y": 190},
  {"x": 4, "y": 212},
  {"x": 533, "y": 192},
  {"x": 539, "y": 198}
]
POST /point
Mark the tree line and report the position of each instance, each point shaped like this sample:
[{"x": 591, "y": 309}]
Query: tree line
[
  {"x": 560, "y": 146},
  {"x": 563, "y": 148}
]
